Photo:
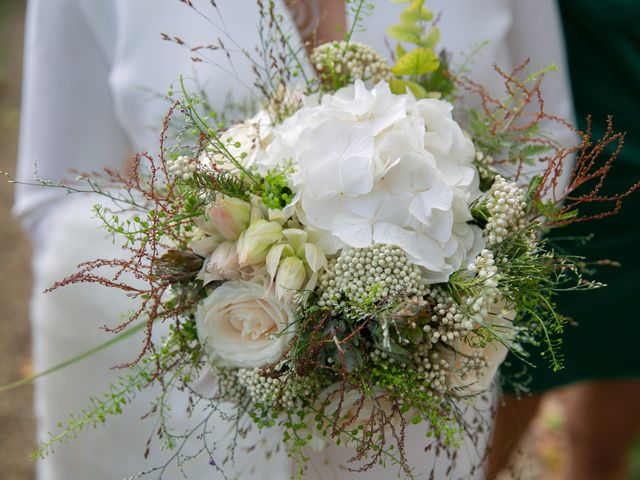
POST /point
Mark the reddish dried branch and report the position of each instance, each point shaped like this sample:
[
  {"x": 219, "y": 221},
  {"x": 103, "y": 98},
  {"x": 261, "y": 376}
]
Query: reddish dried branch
[{"x": 592, "y": 162}]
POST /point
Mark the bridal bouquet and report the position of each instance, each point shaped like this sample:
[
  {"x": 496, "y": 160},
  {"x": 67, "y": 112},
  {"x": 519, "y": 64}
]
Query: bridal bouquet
[{"x": 358, "y": 256}]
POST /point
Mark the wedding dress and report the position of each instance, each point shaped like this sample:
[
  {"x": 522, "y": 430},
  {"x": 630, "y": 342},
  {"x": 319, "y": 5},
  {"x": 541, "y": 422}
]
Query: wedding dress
[{"x": 95, "y": 72}]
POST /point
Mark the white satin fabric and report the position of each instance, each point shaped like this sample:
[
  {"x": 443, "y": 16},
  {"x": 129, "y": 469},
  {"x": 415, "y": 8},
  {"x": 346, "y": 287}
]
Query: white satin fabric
[{"x": 95, "y": 71}]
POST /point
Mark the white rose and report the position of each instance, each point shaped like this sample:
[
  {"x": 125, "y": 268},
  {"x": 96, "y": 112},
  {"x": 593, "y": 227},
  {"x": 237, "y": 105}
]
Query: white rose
[{"x": 241, "y": 324}]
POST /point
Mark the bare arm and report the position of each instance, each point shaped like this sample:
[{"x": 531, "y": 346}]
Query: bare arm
[{"x": 318, "y": 21}]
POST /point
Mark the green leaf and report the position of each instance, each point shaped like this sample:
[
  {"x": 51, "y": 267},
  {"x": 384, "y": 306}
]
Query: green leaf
[
  {"x": 400, "y": 51},
  {"x": 405, "y": 33},
  {"x": 399, "y": 87},
  {"x": 413, "y": 15},
  {"x": 440, "y": 80},
  {"x": 431, "y": 39},
  {"x": 416, "y": 62}
]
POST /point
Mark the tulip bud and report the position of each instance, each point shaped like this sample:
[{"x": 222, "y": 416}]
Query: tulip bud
[
  {"x": 290, "y": 277},
  {"x": 296, "y": 237},
  {"x": 230, "y": 216},
  {"x": 255, "y": 242},
  {"x": 223, "y": 264},
  {"x": 257, "y": 209},
  {"x": 205, "y": 246}
]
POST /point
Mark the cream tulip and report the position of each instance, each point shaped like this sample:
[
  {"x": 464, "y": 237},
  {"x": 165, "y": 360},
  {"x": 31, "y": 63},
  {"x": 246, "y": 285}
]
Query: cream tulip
[
  {"x": 230, "y": 217},
  {"x": 255, "y": 242}
]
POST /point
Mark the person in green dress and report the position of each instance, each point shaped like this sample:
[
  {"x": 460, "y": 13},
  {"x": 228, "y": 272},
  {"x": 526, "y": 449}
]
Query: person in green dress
[{"x": 601, "y": 347}]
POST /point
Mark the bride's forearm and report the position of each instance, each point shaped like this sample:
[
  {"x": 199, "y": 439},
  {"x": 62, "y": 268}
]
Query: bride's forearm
[{"x": 318, "y": 21}]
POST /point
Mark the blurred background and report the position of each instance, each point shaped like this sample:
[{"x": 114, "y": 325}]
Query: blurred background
[
  {"x": 16, "y": 418},
  {"x": 541, "y": 455}
]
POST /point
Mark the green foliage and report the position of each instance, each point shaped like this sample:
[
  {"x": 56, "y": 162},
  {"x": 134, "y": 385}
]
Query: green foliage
[
  {"x": 140, "y": 229},
  {"x": 416, "y": 62},
  {"x": 120, "y": 394},
  {"x": 480, "y": 214},
  {"x": 519, "y": 146},
  {"x": 440, "y": 80},
  {"x": 358, "y": 10},
  {"x": 405, "y": 33},
  {"x": 510, "y": 131},
  {"x": 408, "y": 388},
  {"x": 276, "y": 192},
  {"x": 421, "y": 69},
  {"x": 553, "y": 212},
  {"x": 400, "y": 86},
  {"x": 211, "y": 184},
  {"x": 190, "y": 106},
  {"x": 530, "y": 277},
  {"x": 180, "y": 354}
]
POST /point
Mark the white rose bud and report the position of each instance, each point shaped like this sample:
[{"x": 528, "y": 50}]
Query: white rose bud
[
  {"x": 230, "y": 217},
  {"x": 255, "y": 242},
  {"x": 242, "y": 324},
  {"x": 223, "y": 264}
]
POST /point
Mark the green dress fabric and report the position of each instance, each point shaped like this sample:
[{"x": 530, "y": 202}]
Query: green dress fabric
[{"x": 603, "y": 48}]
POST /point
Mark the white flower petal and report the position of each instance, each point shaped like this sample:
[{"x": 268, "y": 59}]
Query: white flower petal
[
  {"x": 275, "y": 255},
  {"x": 314, "y": 257},
  {"x": 439, "y": 225},
  {"x": 439, "y": 197},
  {"x": 354, "y": 230},
  {"x": 296, "y": 237},
  {"x": 422, "y": 250}
]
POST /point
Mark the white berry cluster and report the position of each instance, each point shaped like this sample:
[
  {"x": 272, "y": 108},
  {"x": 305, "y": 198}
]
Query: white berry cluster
[
  {"x": 473, "y": 366},
  {"x": 506, "y": 204},
  {"x": 182, "y": 166},
  {"x": 372, "y": 273},
  {"x": 284, "y": 390},
  {"x": 483, "y": 163},
  {"x": 486, "y": 272},
  {"x": 229, "y": 387},
  {"x": 433, "y": 369},
  {"x": 352, "y": 61},
  {"x": 449, "y": 321}
]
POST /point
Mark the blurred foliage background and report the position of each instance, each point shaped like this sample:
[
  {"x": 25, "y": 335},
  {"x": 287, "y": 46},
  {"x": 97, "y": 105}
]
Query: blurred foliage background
[{"x": 540, "y": 457}]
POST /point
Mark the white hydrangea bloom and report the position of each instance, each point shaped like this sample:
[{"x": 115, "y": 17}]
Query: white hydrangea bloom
[{"x": 374, "y": 167}]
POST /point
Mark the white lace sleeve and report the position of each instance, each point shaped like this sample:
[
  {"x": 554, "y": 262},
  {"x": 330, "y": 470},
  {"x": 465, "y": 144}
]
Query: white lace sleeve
[{"x": 68, "y": 122}]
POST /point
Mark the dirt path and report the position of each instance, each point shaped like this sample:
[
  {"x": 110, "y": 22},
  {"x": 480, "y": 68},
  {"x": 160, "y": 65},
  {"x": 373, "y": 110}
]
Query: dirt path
[{"x": 16, "y": 418}]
